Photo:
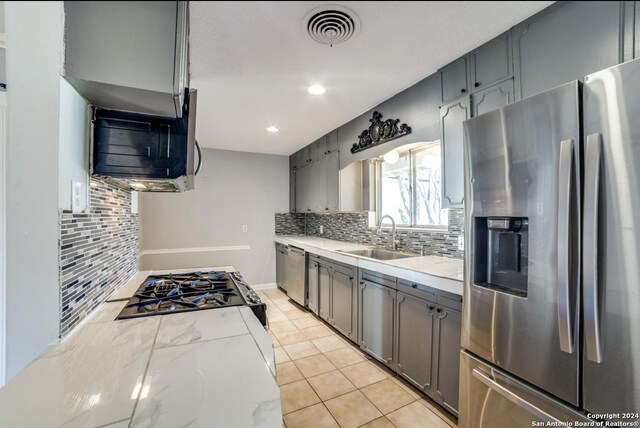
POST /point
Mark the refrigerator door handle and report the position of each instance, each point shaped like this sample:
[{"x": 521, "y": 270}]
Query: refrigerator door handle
[
  {"x": 593, "y": 163},
  {"x": 505, "y": 392},
  {"x": 566, "y": 174}
]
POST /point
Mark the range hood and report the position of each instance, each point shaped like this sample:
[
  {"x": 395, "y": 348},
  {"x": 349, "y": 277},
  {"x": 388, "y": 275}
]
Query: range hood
[{"x": 146, "y": 153}]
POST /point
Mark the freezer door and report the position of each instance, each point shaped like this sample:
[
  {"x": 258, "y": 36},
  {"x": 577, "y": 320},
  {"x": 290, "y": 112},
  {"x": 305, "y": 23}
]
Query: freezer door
[
  {"x": 494, "y": 399},
  {"x": 611, "y": 260},
  {"x": 521, "y": 282}
]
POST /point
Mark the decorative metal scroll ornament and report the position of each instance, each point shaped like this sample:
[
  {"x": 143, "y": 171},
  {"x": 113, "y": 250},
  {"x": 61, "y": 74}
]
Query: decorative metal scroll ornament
[{"x": 380, "y": 132}]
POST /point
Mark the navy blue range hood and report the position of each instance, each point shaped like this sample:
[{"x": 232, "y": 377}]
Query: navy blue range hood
[{"x": 145, "y": 153}]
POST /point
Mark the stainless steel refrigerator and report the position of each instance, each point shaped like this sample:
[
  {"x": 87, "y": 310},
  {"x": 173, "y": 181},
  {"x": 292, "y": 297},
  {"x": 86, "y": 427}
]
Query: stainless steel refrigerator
[{"x": 551, "y": 320}]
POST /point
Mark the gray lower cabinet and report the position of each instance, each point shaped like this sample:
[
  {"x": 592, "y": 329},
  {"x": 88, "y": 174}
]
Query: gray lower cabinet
[
  {"x": 415, "y": 326},
  {"x": 280, "y": 256},
  {"x": 451, "y": 117},
  {"x": 447, "y": 357},
  {"x": 377, "y": 310},
  {"x": 493, "y": 97},
  {"x": 312, "y": 282},
  {"x": 333, "y": 294},
  {"x": 324, "y": 291},
  {"x": 343, "y": 300}
]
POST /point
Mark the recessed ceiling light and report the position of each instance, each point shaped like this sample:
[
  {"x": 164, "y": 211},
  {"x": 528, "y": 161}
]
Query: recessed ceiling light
[
  {"x": 316, "y": 89},
  {"x": 272, "y": 129}
]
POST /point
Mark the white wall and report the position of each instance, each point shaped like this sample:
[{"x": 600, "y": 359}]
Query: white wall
[
  {"x": 233, "y": 189},
  {"x": 34, "y": 54},
  {"x": 74, "y": 145}
]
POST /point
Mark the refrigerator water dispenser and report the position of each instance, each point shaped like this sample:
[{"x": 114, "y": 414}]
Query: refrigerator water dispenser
[{"x": 500, "y": 254}]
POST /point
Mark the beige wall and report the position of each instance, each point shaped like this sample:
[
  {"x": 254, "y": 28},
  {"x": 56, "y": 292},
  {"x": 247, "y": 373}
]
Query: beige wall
[{"x": 233, "y": 189}]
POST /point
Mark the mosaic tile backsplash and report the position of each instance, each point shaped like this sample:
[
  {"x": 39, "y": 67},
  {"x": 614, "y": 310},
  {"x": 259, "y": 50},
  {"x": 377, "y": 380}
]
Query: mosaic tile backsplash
[
  {"x": 98, "y": 252},
  {"x": 354, "y": 227}
]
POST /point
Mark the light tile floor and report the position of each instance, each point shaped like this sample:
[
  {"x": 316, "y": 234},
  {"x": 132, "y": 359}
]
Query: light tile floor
[{"x": 327, "y": 381}]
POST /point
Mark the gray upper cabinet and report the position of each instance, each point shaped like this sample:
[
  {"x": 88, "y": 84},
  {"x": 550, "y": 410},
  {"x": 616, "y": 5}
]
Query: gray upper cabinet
[
  {"x": 454, "y": 80},
  {"x": 306, "y": 155},
  {"x": 299, "y": 159},
  {"x": 343, "y": 300},
  {"x": 331, "y": 165},
  {"x": 317, "y": 186},
  {"x": 493, "y": 97},
  {"x": 415, "y": 323},
  {"x": 292, "y": 190},
  {"x": 447, "y": 364},
  {"x": 332, "y": 142},
  {"x": 491, "y": 62},
  {"x": 451, "y": 117},
  {"x": 129, "y": 56},
  {"x": 566, "y": 42},
  {"x": 376, "y": 311},
  {"x": 303, "y": 188}
]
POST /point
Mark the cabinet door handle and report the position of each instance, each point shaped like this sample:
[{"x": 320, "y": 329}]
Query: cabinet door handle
[
  {"x": 430, "y": 308},
  {"x": 438, "y": 310},
  {"x": 476, "y": 84},
  {"x": 414, "y": 285},
  {"x": 566, "y": 178},
  {"x": 590, "y": 257},
  {"x": 463, "y": 90},
  {"x": 504, "y": 391}
]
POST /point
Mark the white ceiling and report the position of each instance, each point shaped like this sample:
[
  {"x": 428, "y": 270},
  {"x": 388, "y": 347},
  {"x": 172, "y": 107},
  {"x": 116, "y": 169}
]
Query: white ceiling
[{"x": 252, "y": 62}]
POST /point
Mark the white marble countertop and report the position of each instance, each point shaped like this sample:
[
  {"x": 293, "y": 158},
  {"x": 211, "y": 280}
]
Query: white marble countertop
[
  {"x": 160, "y": 371},
  {"x": 443, "y": 273}
]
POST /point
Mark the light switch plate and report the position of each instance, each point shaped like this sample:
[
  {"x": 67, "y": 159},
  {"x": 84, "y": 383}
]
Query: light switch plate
[
  {"x": 76, "y": 196},
  {"x": 461, "y": 243},
  {"x": 244, "y": 228}
]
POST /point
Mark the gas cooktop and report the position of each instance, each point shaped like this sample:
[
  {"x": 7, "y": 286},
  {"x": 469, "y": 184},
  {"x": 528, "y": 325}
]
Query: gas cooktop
[{"x": 184, "y": 292}]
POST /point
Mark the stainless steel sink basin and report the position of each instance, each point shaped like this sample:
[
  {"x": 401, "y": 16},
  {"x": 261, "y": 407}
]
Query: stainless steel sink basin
[{"x": 378, "y": 254}]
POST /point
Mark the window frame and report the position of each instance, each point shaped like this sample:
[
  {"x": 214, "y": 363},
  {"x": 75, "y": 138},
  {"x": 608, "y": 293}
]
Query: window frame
[{"x": 411, "y": 152}]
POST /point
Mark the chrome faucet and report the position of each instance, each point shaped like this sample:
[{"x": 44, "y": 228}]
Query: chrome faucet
[{"x": 394, "y": 242}]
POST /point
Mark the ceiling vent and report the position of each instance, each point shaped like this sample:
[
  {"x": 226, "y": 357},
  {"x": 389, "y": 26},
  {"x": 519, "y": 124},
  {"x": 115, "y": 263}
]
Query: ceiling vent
[{"x": 332, "y": 24}]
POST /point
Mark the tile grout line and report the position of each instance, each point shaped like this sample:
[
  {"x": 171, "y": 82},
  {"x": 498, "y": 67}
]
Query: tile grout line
[{"x": 352, "y": 345}]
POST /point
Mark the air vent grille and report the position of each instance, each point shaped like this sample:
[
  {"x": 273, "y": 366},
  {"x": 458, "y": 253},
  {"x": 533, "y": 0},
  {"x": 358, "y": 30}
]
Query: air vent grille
[{"x": 332, "y": 25}]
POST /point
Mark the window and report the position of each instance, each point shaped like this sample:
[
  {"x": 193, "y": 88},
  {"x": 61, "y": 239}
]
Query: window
[{"x": 410, "y": 189}]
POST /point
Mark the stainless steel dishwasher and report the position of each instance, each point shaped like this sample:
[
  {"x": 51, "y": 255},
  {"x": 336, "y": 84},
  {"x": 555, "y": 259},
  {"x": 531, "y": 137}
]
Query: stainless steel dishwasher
[{"x": 294, "y": 275}]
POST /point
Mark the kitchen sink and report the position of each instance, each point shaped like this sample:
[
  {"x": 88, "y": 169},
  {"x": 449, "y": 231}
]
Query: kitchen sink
[{"x": 378, "y": 254}]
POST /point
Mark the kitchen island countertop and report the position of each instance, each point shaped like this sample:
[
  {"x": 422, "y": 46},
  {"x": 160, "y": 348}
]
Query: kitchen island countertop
[{"x": 204, "y": 368}]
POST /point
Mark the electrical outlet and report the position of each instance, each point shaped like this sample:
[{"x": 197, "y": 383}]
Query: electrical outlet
[
  {"x": 76, "y": 196},
  {"x": 321, "y": 230},
  {"x": 461, "y": 243},
  {"x": 244, "y": 228}
]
